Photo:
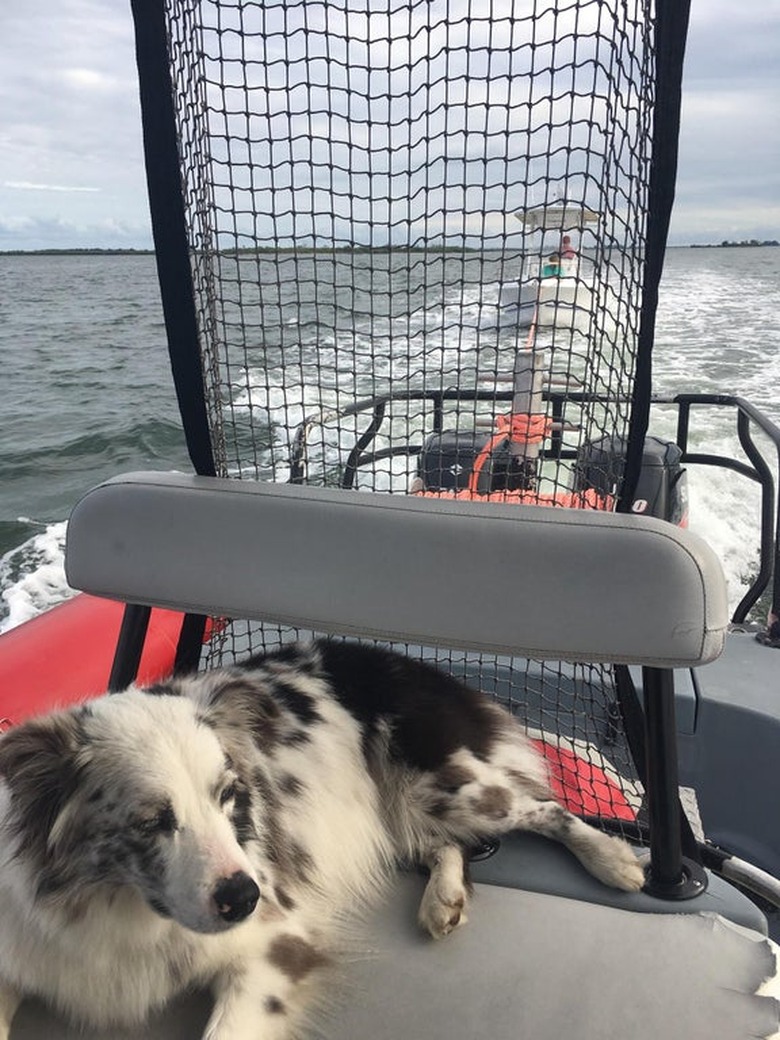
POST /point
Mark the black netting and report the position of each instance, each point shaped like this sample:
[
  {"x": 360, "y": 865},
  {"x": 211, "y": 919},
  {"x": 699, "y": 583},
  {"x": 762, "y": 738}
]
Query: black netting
[
  {"x": 371, "y": 194},
  {"x": 417, "y": 232}
]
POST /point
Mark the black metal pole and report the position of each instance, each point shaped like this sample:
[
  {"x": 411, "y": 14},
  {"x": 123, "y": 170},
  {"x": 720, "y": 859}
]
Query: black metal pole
[
  {"x": 190, "y": 645},
  {"x": 671, "y": 875},
  {"x": 662, "y": 778},
  {"x": 129, "y": 647}
]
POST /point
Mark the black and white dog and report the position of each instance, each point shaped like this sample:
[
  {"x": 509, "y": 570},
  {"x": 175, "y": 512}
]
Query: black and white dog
[{"x": 214, "y": 830}]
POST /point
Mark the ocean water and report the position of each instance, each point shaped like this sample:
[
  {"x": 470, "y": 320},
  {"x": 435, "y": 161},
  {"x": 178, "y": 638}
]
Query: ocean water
[{"x": 87, "y": 393}]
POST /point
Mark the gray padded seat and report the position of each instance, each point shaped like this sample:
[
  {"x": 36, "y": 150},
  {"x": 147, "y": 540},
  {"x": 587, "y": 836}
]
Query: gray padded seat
[
  {"x": 546, "y": 583},
  {"x": 525, "y": 966}
]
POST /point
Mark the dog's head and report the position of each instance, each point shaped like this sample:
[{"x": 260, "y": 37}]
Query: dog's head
[{"x": 133, "y": 790}]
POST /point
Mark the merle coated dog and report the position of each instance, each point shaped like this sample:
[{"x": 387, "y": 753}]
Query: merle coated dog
[{"x": 215, "y": 830}]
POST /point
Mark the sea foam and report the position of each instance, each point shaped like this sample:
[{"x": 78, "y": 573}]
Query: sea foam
[{"x": 32, "y": 577}]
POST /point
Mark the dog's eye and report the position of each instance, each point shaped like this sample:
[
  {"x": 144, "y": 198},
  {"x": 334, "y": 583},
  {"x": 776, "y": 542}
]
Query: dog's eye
[
  {"x": 228, "y": 793},
  {"x": 163, "y": 822}
]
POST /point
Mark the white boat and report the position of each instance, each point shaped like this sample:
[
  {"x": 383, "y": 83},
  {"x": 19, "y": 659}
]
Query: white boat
[{"x": 555, "y": 288}]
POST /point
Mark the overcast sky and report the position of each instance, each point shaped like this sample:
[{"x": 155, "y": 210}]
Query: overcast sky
[{"x": 71, "y": 168}]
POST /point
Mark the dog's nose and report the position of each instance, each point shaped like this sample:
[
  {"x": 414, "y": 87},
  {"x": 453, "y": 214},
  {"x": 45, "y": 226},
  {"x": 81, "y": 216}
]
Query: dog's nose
[{"x": 236, "y": 896}]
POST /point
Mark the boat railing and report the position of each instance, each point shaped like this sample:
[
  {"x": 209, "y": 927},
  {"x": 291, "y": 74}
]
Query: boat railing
[
  {"x": 761, "y": 464},
  {"x": 760, "y": 468}
]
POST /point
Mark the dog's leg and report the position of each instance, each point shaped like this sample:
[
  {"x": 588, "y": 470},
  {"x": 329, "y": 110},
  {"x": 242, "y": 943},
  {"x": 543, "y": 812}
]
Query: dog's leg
[
  {"x": 610, "y": 859},
  {"x": 246, "y": 1009},
  {"x": 443, "y": 905},
  {"x": 10, "y": 999},
  {"x": 264, "y": 998}
]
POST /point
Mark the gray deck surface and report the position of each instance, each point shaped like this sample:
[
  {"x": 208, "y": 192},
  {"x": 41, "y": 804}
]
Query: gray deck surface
[{"x": 526, "y": 965}]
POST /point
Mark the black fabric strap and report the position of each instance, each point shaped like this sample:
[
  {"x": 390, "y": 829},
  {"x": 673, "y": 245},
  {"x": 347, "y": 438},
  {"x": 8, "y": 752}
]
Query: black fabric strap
[
  {"x": 670, "y": 37},
  {"x": 166, "y": 203}
]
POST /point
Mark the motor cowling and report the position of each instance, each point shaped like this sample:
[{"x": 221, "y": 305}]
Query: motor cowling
[
  {"x": 447, "y": 461},
  {"x": 662, "y": 488}
]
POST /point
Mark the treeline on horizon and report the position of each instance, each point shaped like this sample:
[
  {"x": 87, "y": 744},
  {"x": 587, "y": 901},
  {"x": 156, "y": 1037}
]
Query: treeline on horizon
[
  {"x": 416, "y": 248},
  {"x": 251, "y": 250},
  {"x": 743, "y": 244}
]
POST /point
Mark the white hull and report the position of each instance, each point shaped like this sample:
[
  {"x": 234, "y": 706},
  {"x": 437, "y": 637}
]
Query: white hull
[{"x": 557, "y": 302}]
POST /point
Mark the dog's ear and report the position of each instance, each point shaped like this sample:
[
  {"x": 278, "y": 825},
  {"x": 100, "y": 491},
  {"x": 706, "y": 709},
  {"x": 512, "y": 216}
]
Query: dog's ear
[{"x": 40, "y": 762}]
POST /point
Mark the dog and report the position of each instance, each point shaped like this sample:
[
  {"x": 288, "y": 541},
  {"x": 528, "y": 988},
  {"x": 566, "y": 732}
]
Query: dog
[{"x": 215, "y": 830}]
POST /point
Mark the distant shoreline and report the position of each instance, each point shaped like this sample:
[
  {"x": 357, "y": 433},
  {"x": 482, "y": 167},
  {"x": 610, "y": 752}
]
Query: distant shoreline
[
  {"x": 260, "y": 250},
  {"x": 76, "y": 252},
  {"x": 253, "y": 250},
  {"x": 753, "y": 243}
]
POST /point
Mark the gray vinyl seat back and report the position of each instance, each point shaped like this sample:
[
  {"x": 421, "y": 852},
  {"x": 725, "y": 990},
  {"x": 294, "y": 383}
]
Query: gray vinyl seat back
[{"x": 561, "y": 584}]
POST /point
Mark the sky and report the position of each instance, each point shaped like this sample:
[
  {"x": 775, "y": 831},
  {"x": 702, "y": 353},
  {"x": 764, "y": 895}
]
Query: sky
[{"x": 71, "y": 163}]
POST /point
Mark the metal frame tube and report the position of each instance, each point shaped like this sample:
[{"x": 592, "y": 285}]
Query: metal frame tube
[
  {"x": 129, "y": 646},
  {"x": 666, "y": 865}
]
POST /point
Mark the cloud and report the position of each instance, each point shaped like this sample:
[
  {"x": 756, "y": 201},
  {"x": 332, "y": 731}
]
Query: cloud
[
  {"x": 70, "y": 137},
  {"x": 89, "y": 79},
  {"x": 729, "y": 172},
  {"x": 28, "y": 186},
  {"x": 28, "y": 232},
  {"x": 71, "y": 159}
]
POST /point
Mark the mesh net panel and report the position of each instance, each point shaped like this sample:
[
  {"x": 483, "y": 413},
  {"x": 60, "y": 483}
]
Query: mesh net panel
[{"x": 417, "y": 233}]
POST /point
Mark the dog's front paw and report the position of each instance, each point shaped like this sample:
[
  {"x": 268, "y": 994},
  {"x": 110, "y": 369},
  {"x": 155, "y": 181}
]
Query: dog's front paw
[
  {"x": 443, "y": 906},
  {"x": 619, "y": 868}
]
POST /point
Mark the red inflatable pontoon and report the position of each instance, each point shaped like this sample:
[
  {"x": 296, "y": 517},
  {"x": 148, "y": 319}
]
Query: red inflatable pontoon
[{"x": 65, "y": 655}]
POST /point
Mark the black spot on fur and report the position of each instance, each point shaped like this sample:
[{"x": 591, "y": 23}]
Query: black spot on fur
[
  {"x": 429, "y": 714},
  {"x": 494, "y": 802},
  {"x": 302, "y": 658},
  {"x": 295, "y": 738},
  {"x": 163, "y": 690},
  {"x": 274, "y": 1006},
  {"x": 302, "y": 862},
  {"x": 295, "y": 957},
  {"x": 264, "y": 787},
  {"x": 284, "y": 899},
  {"x": 158, "y": 906},
  {"x": 293, "y": 862},
  {"x": 290, "y": 785},
  {"x": 165, "y": 821},
  {"x": 296, "y": 701},
  {"x": 440, "y": 808},
  {"x": 451, "y": 778},
  {"x": 242, "y": 815}
]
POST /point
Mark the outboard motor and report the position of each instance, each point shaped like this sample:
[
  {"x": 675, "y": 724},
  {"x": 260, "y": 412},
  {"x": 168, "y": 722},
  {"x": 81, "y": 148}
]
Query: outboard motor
[{"x": 662, "y": 488}]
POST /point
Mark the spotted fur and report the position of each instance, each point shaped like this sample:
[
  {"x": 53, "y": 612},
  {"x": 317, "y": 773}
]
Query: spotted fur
[{"x": 213, "y": 831}]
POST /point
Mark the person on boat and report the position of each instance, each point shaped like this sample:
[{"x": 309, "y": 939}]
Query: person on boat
[
  {"x": 552, "y": 268},
  {"x": 567, "y": 251}
]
